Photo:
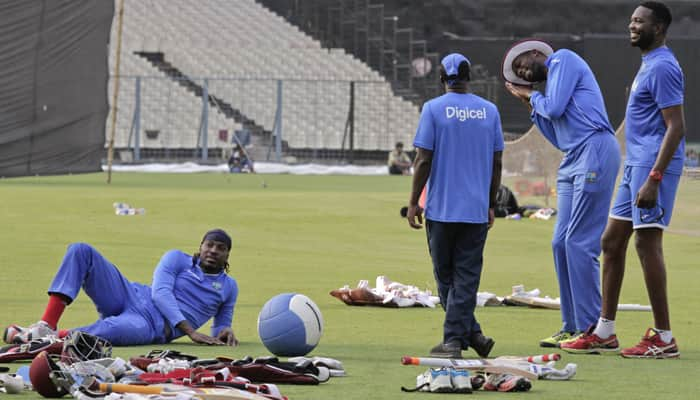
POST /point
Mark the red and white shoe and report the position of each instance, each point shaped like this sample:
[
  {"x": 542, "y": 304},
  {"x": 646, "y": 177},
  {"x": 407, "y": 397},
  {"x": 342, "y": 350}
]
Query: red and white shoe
[
  {"x": 15, "y": 334},
  {"x": 590, "y": 343},
  {"x": 651, "y": 346}
]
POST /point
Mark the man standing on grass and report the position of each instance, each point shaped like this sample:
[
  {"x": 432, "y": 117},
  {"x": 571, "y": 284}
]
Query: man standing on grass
[
  {"x": 571, "y": 115},
  {"x": 186, "y": 292},
  {"x": 654, "y": 134},
  {"x": 459, "y": 144}
]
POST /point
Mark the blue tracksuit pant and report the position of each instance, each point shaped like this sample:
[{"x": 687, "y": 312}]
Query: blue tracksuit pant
[
  {"x": 457, "y": 252},
  {"x": 127, "y": 313},
  {"x": 585, "y": 185}
]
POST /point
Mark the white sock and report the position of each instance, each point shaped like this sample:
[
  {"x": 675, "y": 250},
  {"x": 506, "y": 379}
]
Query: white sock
[
  {"x": 605, "y": 328},
  {"x": 666, "y": 336}
]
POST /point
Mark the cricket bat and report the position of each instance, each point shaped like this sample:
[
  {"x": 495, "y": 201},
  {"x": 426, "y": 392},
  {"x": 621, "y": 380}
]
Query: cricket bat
[
  {"x": 633, "y": 307},
  {"x": 170, "y": 389},
  {"x": 490, "y": 366},
  {"x": 532, "y": 301},
  {"x": 538, "y": 359}
]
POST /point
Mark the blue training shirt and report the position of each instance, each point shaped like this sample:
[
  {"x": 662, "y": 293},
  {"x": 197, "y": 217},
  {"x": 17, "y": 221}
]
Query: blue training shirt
[
  {"x": 463, "y": 131},
  {"x": 658, "y": 85},
  {"x": 182, "y": 291},
  {"x": 572, "y": 107}
]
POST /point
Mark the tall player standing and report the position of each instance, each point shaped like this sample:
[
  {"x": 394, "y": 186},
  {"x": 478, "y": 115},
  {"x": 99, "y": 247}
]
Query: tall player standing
[{"x": 654, "y": 132}]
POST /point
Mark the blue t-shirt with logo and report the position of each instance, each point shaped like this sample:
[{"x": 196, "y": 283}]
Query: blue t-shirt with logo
[
  {"x": 182, "y": 291},
  {"x": 572, "y": 107},
  {"x": 658, "y": 85},
  {"x": 463, "y": 131}
]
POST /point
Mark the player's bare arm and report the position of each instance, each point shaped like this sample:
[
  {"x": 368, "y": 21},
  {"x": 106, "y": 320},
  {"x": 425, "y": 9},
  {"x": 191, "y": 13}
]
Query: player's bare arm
[
  {"x": 675, "y": 130},
  {"x": 495, "y": 184},
  {"x": 197, "y": 337},
  {"x": 421, "y": 172}
]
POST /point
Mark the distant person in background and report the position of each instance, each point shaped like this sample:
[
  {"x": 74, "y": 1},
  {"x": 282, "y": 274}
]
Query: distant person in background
[
  {"x": 399, "y": 162},
  {"x": 571, "y": 115},
  {"x": 654, "y": 135},
  {"x": 459, "y": 145},
  {"x": 691, "y": 159},
  {"x": 239, "y": 161},
  {"x": 506, "y": 203}
]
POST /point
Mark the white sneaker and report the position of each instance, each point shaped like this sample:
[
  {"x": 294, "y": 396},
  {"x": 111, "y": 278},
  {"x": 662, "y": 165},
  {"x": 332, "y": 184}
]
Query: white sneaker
[
  {"x": 440, "y": 381},
  {"x": 461, "y": 381},
  {"x": 422, "y": 382},
  {"x": 15, "y": 334}
]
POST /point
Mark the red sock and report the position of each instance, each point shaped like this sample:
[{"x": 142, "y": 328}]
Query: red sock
[
  {"x": 63, "y": 333},
  {"x": 54, "y": 310}
]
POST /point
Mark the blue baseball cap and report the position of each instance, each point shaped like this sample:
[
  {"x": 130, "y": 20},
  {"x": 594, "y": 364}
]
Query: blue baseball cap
[{"x": 451, "y": 64}]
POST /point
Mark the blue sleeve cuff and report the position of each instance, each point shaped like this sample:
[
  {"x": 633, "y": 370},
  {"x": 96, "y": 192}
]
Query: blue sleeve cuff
[{"x": 423, "y": 146}]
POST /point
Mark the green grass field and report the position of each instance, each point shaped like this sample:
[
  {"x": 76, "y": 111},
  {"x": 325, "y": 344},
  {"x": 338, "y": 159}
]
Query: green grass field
[{"x": 312, "y": 234}]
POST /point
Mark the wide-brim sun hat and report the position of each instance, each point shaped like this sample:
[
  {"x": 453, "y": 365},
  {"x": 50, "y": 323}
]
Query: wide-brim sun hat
[{"x": 517, "y": 49}]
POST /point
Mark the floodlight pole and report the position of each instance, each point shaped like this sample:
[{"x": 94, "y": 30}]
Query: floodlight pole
[{"x": 115, "y": 95}]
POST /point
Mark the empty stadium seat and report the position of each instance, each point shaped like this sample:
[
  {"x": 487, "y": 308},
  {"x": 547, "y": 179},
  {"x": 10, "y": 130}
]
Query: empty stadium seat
[{"x": 243, "y": 49}]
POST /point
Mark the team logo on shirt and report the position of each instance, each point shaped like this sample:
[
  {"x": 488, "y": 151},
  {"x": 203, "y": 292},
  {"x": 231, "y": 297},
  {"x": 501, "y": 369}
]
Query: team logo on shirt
[
  {"x": 216, "y": 285},
  {"x": 591, "y": 177},
  {"x": 465, "y": 113}
]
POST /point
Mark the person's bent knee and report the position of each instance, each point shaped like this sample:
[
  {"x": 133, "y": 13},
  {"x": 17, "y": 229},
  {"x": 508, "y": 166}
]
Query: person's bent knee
[
  {"x": 558, "y": 244},
  {"x": 80, "y": 248},
  {"x": 613, "y": 245}
]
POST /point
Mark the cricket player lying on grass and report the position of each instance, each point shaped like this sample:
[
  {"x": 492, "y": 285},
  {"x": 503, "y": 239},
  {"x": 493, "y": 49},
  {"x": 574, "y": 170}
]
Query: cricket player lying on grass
[{"x": 186, "y": 292}]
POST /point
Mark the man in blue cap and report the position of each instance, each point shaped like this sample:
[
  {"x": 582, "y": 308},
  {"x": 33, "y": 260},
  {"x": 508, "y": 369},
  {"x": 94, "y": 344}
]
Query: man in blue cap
[
  {"x": 459, "y": 143},
  {"x": 571, "y": 115},
  {"x": 186, "y": 292}
]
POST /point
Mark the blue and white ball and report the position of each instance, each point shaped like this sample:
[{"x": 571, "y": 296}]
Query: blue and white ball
[{"x": 290, "y": 325}]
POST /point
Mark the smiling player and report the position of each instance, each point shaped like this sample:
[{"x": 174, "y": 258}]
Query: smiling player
[
  {"x": 654, "y": 133},
  {"x": 571, "y": 115}
]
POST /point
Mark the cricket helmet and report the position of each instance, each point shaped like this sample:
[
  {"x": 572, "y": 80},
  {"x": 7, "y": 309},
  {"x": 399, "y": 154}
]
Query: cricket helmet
[
  {"x": 80, "y": 346},
  {"x": 43, "y": 366}
]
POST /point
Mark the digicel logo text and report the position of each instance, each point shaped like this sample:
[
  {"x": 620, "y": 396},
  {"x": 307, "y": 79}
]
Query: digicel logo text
[{"x": 464, "y": 114}]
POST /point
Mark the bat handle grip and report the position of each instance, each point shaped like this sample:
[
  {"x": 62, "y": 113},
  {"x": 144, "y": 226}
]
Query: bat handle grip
[
  {"x": 406, "y": 360},
  {"x": 124, "y": 388}
]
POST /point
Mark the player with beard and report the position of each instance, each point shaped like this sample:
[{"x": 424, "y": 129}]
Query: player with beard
[
  {"x": 186, "y": 292},
  {"x": 654, "y": 134},
  {"x": 571, "y": 115}
]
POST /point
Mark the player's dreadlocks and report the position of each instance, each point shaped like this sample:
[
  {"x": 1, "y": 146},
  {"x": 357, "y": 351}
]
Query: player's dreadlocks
[{"x": 218, "y": 235}]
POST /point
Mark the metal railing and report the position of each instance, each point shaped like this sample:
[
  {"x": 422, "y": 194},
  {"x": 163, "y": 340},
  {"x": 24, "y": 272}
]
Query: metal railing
[{"x": 198, "y": 118}]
